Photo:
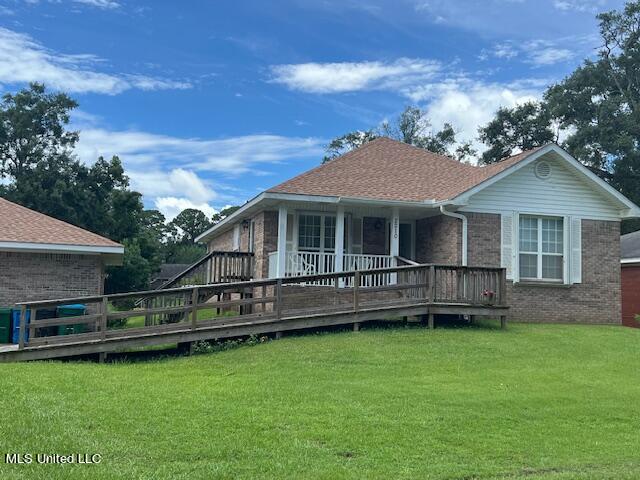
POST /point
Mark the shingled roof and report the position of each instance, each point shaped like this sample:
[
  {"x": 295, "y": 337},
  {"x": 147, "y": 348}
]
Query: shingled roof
[
  {"x": 386, "y": 169},
  {"x": 21, "y": 225}
]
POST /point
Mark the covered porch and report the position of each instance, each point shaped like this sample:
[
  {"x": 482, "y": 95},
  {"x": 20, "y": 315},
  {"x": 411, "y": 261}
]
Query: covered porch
[{"x": 318, "y": 238}]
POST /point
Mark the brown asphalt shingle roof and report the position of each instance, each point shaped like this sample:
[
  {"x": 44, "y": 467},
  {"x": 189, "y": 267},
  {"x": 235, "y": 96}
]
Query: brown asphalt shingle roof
[
  {"x": 20, "y": 224},
  {"x": 386, "y": 169}
]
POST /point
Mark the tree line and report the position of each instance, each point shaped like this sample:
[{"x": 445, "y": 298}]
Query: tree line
[
  {"x": 593, "y": 113},
  {"x": 40, "y": 171}
]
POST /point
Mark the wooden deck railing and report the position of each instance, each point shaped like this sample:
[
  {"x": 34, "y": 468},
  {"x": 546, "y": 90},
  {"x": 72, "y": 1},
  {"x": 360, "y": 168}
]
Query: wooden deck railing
[
  {"x": 241, "y": 303},
  {"x": 215, "y": 267}
]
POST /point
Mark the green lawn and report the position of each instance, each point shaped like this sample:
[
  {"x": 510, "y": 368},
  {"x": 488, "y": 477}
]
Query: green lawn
[{"x": 534, "y": 402}]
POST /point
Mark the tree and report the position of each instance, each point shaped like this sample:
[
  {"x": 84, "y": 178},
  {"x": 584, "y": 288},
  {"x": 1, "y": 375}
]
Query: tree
[
  {"x": 41, "y": 172},
  {"x": 32, "y": 128},
  {"x": 523, "y": 127},
  {"x": 596, "y": 108},
  {"x": 412, "y": 127},
  {"x": 222, "y": 214},
  {"x": 190, "y": 222},
  {"x": 347, "y": 142}
]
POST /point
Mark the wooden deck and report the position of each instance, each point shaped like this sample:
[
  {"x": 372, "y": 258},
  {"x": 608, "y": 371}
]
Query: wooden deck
[{"x": 219, "y": 311}]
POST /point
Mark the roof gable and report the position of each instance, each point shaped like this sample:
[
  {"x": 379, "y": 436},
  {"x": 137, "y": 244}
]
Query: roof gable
[
  {"x": 386, "y": 169},
  {"x": 21, "y": 225}
]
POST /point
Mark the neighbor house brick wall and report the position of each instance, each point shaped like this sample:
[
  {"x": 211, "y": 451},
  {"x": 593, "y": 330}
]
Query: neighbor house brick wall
[
  {"x": 41, "y": 276},
  {"x": 439, "y": 240},
  {"x": 595, "y": 300}
]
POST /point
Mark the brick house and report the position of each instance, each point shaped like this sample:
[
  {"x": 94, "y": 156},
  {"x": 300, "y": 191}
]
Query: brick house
[
  {"x": 541, "y": 214},
  {"x": 630, "y": 276},
  {"x": 42, "y": 258}
]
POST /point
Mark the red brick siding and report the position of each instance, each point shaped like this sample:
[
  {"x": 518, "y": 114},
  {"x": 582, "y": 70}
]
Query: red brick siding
[
  {"x": 439, "y": 240},
  {"x": 595, "y": 300},
  {"x": 40, "y": 276},
  {"x": 630, "y": 295}
]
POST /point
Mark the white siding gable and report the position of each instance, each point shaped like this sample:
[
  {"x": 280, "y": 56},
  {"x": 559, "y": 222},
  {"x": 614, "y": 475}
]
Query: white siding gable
[{"x": 564, "y": 192}]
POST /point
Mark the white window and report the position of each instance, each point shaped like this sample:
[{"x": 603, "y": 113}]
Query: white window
[
  {"x": 317, "y": 232},
  {"x": 541, "y": 248}
]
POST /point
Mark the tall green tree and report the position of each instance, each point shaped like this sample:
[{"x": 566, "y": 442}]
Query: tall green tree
[
  {"x": 523, "y": 127},
  {"x": 412, "y": 127},
  {"x": 41, "y": 172},
  {"x": 33, "y": 128},
  {"x": 190, "y": 222}
]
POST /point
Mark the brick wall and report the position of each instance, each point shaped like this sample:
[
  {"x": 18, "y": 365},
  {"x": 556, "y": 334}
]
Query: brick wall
[
  {"x": 374, "y": 236},
  {"x": 439, "y": 240},
  {"x": 266, "y": 241},
  {"x": 595, "y": 300},
  {"x": 630, "y": 295},
  {"x": 41, "y": 276}
]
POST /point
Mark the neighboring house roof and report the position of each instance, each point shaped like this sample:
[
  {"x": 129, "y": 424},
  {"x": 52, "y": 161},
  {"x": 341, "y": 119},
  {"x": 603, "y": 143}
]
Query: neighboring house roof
[
  {"x": 25, "y": 229},
  {"x": 386, "y": 169},
  {"x": 630, "y": 247}
]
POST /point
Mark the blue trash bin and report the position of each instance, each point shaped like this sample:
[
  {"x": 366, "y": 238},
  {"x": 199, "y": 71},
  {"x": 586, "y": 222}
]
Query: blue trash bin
[{"x": 15, "y": 314}]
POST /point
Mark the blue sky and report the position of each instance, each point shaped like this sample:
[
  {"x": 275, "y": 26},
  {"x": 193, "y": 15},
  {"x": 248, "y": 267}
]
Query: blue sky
[{"x": 209, "y": 102}]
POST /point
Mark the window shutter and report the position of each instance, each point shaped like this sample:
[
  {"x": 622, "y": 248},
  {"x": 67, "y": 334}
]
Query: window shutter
[
  {"x": 506, "y": 247},
  {"x": 576, "y": 250},
  {"x": 236, "y": 237}
]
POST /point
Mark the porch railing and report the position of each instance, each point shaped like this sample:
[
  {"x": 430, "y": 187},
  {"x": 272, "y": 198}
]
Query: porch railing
[
  {"x": 200, "y": 307},
  {"x": 300, "y": 263}
]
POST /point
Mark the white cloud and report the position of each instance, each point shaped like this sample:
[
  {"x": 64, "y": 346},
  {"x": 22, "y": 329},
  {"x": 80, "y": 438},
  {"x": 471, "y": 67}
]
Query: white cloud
[
  {"x": 174, "y": 173},
  {"x": 230, "y": 156},
  {"x": 504, "y": 50},
  {"x": 355, "y": 76},
  {"x": 550, "y": 55},
  {"x": 590, "y": 6},
  {"x": 175, "y": 182},
  {"x": 23, "y": 60},
  {"x": 172, "y": 206},
  {"x": 468, "y": 104},
  {"x": 105, "y": 4}
]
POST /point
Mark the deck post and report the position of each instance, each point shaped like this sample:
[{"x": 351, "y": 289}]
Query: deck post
[
  {"x": 356, "y": 292},
  {"x": 282, "y": 241},
  {"x": 103, "y": 318},
  {"x": 23, "y": 329},
  {"x": 431, "y": 321},
  {"x": 432, "y": 284},
  {"x": 503, "y": 321},
  {"x": 356, "y": 327},
  {"x": 279, "y": 299},
  {"x": 194, "y": 307}
]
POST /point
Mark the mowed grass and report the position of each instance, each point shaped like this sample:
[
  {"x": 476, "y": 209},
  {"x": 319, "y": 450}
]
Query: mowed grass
[{"x": 534, "y": 402}]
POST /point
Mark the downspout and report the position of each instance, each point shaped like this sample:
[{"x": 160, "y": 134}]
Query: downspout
[{"x": 444, "y": 211}]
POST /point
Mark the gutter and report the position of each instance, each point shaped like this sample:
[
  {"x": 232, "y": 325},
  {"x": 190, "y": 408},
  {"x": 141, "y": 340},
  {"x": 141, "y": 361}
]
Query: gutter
[{"x": 444, "y": 211}]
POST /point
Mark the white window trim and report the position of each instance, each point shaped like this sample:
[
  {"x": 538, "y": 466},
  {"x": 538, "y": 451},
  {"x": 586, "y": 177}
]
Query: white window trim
[
  {"x": 296, "y": 232},
  {"x": 539, "y": 254}
]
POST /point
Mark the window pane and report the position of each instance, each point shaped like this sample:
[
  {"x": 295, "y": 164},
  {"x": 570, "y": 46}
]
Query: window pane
[
  {"x": 528, "y": 234},
  {"x": 552, "y": 234},
  {"x": 552, "y": 267},
  {"x": 309, "y": 232},
  {"x": 528, "y": 266},
  {"x": 329, "y": 233}
]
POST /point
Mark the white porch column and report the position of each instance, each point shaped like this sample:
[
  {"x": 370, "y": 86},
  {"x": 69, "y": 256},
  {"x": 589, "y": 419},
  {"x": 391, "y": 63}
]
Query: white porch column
[
  {"x": 339, "y": 243},
  {"x": 394, "y": 247},
  {"x": 282, "y": 241}
]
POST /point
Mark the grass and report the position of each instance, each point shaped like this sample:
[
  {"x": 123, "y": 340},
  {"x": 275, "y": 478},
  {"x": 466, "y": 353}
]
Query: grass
[{"x": 532, "y": 402}]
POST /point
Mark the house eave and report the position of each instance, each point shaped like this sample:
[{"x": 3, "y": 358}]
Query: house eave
[
  {"x": 112, "y": 255},
  {"x": 223, "y": 225}
]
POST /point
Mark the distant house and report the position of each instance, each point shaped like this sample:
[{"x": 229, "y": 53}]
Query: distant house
[
  {"x": 167, "y": 272},
  {"x": 630, "y": 262},
  {"x": 43, "y": 258},
  {"x": 552, "y": 223}
]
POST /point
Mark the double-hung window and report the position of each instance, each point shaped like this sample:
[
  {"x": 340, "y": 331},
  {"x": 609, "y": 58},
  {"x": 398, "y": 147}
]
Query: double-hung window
[
  {"x": 317, "y": 233},
  {"x": 541, "y": 248}
]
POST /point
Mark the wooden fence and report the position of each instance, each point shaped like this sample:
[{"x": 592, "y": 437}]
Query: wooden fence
[{"x": 243, "y": 303}]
